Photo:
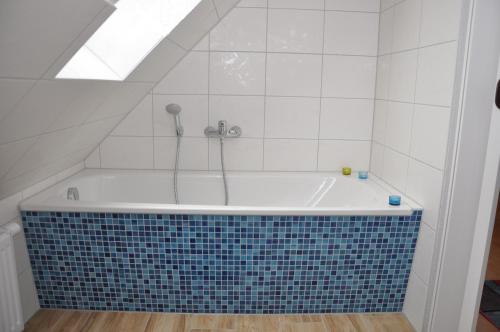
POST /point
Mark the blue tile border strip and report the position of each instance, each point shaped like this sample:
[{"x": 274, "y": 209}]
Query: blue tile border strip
[{"x": 221, "y": 264}]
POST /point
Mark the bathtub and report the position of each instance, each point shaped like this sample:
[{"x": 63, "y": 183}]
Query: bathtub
[
  {"x": 304, "y": 194},
  {"x": 287, "y": 243}
]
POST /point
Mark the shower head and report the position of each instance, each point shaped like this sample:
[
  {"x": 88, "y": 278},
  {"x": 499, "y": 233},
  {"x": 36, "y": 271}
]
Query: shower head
[{"x": 175, "y": 110}]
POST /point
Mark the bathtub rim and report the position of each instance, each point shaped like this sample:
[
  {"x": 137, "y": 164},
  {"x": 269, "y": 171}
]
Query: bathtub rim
[{"x": 35, "y": 203}]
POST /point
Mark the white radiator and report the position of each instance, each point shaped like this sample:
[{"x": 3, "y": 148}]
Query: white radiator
[{"x": 11, "y": 316}]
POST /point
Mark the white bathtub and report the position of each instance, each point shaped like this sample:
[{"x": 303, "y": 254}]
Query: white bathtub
[{"x": 302, "y": 194}]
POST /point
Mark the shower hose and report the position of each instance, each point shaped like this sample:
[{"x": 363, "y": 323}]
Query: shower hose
[
  {"x": 176, "y": 171},
  {"x": 226, "y": 193}
]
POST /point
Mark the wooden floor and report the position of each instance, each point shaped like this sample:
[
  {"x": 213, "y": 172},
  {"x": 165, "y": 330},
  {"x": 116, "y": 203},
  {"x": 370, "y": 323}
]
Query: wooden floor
[
  {"x": 82, "y": 321},
  {"x": 492, "y": 271}
]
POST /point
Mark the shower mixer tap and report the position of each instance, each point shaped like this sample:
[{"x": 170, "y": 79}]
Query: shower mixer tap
[{"x": 222, "y": 131}]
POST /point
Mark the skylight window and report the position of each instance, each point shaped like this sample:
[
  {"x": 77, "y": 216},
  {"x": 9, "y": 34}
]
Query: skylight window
[{"x": 126, "y": 38}]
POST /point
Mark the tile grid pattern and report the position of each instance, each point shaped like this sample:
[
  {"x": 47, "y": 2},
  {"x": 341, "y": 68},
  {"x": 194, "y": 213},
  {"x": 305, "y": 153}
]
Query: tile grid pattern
[
  {"x": 415, "y": 76},
  {"x": 221, "y": 264},
  {"x": 293, "y": 114}
]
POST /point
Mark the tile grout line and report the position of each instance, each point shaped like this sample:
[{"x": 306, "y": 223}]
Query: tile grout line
[
  {"x": 265, "y": 89},
  {"x": 209, "y": 96},
  {"x": 375, "y": 90},
  {"x": 411, "y": 144},
  {"x": 321, "y": 85}
]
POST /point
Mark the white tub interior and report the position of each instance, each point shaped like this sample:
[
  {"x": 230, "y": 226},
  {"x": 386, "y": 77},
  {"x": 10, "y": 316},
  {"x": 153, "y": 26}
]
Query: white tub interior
[{"x": 251, "y": 193}]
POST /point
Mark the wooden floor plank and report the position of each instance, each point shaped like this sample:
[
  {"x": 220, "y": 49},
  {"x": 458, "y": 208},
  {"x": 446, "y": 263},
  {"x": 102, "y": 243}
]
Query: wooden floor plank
[
  {"x": 58, "y": 321},
  {"x": 211, "y": 323},
  {"x": 259, "y": 323},
  {"x": 297, "y": 323},
  {"x": 82, "y": 321},
  {"x": 166, "y": 323},
  {"x": 341, "y": 323}
]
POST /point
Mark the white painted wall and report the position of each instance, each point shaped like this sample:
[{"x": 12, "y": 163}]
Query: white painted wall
[
  {"x": 298, "y": 77},
  {"x": 415, "y": 77},
  {"x": 9, "y": 213}
]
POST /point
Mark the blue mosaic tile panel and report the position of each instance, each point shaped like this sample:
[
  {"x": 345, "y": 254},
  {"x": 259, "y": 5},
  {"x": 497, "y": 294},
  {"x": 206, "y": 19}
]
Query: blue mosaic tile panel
[{"x": 221, "y": 264}]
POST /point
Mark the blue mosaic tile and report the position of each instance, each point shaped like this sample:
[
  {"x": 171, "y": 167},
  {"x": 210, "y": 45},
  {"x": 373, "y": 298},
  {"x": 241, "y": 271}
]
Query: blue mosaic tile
[{"x": 221, "y": 264}]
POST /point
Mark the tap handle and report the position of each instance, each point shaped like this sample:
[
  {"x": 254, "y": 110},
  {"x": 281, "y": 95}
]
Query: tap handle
[{"x": 222, "y": 128}]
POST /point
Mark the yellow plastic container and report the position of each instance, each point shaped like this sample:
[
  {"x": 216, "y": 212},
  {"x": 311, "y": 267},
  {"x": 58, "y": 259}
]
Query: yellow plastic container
[{"x": 346, "y": 171}]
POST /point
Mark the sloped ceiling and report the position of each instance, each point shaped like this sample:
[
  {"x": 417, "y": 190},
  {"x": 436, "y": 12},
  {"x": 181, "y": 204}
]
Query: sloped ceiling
[{"x": 48, "y": 125}]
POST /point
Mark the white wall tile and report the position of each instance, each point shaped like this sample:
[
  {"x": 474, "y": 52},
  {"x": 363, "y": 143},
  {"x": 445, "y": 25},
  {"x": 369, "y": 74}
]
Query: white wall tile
[
  {"x": 127, "y": 152},
  {"x": 424, "y": 186},
  {"x": 230, "y": 76},
  {"x": 86, "y": 104},
  {"x": 297, "y": 4},
  {"x": 406, "y": 25},
  {"x": 403, "y": 75},
  {"x": 42, "y": 152},
  {"x": 439, "y": 21},
  {"x": 94, "y": 159},
  {"x": 224, "y": 6},
  {"x": 42, "y": 172},
  {"x": 121, "y": 101},
  {"x": 349, "y": 76},
  {"x": 253, "y": 3},
  {"x": 290, "y": 155},
  {"x": 11, "y": 92},
  {"x": 51, "y": 180},
  {"x": 377, "y": 159},
  {"x": 244, "y": 111},
  {"x": 237, "y": 73},
  {"x": 159, "y": 62},
  {"x": 243, "y": 29},
  {"x": 346, "y": 119},
  {"x": 29, "y": 297},
  {"x": 295, "y": 31},
  {"x": 12, "y": 152},
  {"x": 201, "y": 19},
  {"x": 203, "y": 45},
  {"x": 333, "y": 155},
  {"x": 139, "y": 121},
  {"x": 8, "y": 208},
  {"x": 436, "y": 70},
  {"x": 399, "y": 126},
  {"x": 293, "y": 75},
  {"x": 424, "y": 253},
  {"x": 194, "y": 114},
  {"x": 395, "y": 169},
  {"x": 189, "y": 76},
  {"x": 380, "y": 121},
  {"x": 383, "y": 76},
  {"x": 415, "y": 302},
  {"x": 351, "y": 33},
  {"x": 353, "y": 5},
  {"x": 89, "y": 134},
  {"x": 243, "y": 154},
  {"x": 292, "y": 117},
  {"x": 384, "y": 4},
  {"x": 386, "y": 31},
  {"x": 193, "y": 154},
  {"x": 23, "y": 54},
  {"x": 430, "y": 134},
  {"x": 27, "y": 119}
]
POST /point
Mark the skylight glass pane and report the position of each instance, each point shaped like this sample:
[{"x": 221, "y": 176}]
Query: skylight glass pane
[{"x": 126, "y": 38}]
